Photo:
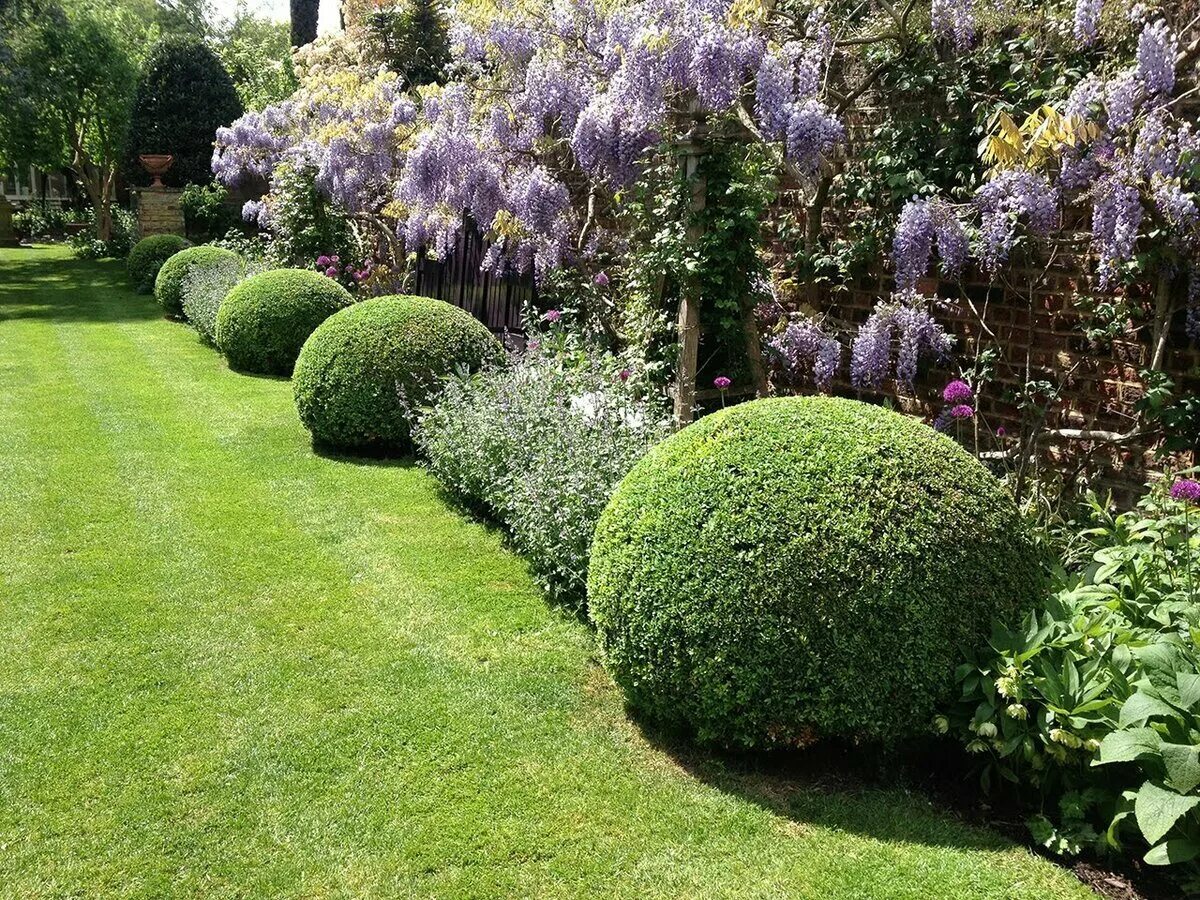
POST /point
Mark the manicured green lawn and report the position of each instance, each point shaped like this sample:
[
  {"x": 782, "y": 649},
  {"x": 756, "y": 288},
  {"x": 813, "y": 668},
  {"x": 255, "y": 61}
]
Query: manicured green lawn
[{"x": 230, "y": 667}]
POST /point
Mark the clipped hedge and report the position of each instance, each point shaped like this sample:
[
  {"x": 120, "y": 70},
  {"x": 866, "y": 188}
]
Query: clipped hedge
[
  {"x": 148, "y": 256},
  {"x": 265, "y": 320},
  {"x": 362, "y": 366},
  {"x": 794, "y": 568},
  {"x": 168, "y": 286}
]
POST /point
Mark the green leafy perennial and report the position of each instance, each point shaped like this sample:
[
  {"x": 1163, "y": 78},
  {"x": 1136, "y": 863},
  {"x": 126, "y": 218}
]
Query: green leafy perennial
[{"x": 1093, "y": 702}]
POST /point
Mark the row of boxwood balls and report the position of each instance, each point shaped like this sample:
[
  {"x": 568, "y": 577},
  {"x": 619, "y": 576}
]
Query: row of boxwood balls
[{"x": 780, "y": 571}]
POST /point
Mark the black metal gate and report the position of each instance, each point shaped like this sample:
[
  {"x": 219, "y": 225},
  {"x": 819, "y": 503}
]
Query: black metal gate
[{"x": 497, "y": 302}]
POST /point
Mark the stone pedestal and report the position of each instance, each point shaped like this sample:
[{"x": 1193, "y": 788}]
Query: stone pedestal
[
  {"x": 8, "y": 237},
  {"x": 159, "y": 211}
]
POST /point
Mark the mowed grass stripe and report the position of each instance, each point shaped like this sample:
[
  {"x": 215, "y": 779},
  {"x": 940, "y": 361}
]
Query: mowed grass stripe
[{"x": 350, "y": 690}]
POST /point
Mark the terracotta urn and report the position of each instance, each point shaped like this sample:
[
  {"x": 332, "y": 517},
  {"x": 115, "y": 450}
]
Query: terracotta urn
[{"x": 157, "y": 165}]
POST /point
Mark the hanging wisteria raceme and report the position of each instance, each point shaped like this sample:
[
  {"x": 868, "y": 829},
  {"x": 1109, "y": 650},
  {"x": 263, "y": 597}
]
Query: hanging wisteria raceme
[
  {"x": 903, "y": 320},
  {"x": 1087, "y": 20},
  {"x": 805, "y": 350},
  {"x": 1141, "y": 162},
  {"x": 1010, "y": 198},
  {"x": 1193, "y": 303},
  {"x": 925, "y": 224},
  {"x": 954, "y": 22}
]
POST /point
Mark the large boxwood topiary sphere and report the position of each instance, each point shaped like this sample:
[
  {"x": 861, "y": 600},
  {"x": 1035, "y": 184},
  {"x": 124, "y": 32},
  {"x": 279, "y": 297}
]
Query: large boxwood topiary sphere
[
  {"x": 147, "y": 257},
  {"x": 265, "y": 320},
  {"x": 168, "y": 286},
  {"x": 351, "y": 372},
  {"x": 794, "y": 568}
]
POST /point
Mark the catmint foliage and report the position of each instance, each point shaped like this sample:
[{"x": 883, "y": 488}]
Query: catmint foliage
[{"x": 540, "y": 445}]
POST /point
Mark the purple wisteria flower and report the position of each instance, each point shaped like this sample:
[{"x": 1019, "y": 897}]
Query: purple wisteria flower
[
  {"x": 957, "y": 391},
  {"x": 1187, "y": 490},
  {"x": 1087, "y": 20}
]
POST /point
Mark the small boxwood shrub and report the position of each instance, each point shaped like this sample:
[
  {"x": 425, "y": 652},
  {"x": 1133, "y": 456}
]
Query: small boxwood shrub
[
  {"x": 168, "y": 286},
  {"x": 364, "y": 368},
  {"x": 148, "y": 256},
  {"x": 265, "y": 320},
  {"x": 794, "y": 568}
]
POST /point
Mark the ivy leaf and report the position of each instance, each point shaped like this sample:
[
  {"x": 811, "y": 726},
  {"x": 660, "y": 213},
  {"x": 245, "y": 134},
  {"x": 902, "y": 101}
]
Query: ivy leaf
[
  {"x": 1125, "y": 746},
  {"x": 1140, "y": 707},
  {"x": 1182, "y": 762},
  {"x": 1157, "y": 810},
  {"x": 1180, "y": 850}
]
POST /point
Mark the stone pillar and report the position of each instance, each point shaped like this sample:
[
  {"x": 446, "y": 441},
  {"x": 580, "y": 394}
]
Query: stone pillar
[
  {"x": 8, "y": 237},
  {"x": 159, "y": 211}
]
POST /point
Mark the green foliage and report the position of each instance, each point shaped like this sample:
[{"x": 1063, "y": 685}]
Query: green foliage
[
  {"x": 42, "y": 220},
  {"x": 265, "y": 320},
  {"x": 539, "y": 446},
  {"x": 362, "y": 372},
  {"x": 257, "y": 54},
  {"x": 87, "y": 244},
  {"x": 66, "y": 84},
  {"x": 183, "y": 96},
  {"x": 168, "y": 285},
  {"x": 303, "y": 225},
  {"x": 148, "y": 256},
  {"x": 411, "y": 39},
  {"x": 722, "y": 266},
  {"x": 1090, "y": 708},
  {"x": 206, "y": 211},
  {"x": 793, "y": 568}
]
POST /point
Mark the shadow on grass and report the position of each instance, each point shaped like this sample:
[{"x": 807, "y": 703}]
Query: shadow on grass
[
  {"x": 38, "y": 286},
  {"x": 842, "y": 786},
  {"x": 384, "y": 460}
]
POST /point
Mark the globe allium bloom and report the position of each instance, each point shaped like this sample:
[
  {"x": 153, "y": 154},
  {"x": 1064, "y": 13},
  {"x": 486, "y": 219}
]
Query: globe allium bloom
[
  {"x": 1187, "y": 490},
  {"x": 624, "y": 374},
  {"x": 962, "y": 411},
  {"x": 332, "y": 272},
  {"x": 601, "y": 279},
  {"x": 957, "y": 391},
  {"x": 721, "y": 382},
  {"x": 553, "y": 316},
  {"x": 323, "y": 261}
]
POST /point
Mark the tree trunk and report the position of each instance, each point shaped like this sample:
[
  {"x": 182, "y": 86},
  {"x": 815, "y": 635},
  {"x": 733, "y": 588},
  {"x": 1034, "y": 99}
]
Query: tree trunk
[
  {"x": 304, "y": 21},
  {"x": 692, "y": 150}
]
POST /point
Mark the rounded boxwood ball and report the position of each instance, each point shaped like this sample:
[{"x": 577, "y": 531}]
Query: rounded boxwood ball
[
  {"x": 362, "y": 366},
  {"x": 797, "y": 568},
  {"x": 265, "y": 320},
  {"x": 168, "y": 286},
  {"x": 148, "y": 256}
]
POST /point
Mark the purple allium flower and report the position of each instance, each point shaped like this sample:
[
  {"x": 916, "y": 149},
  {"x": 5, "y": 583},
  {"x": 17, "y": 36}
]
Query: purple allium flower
[
  {"x": 323, "y": 261},
  {"x": 332, "y": 272},
  {"x": 1001, "y": 431},
  {"x": 335, "y": 259},
  {"x": 601, "y": 279},
  {"x": 957, "y": 391},
  {"x": 624, "y": 374},
  {"x": 721, "y": 382},
  {"x": 962, "y": 411},
  {"x": 1187, "y": 490},
  {"x": 553, "y": 316}
]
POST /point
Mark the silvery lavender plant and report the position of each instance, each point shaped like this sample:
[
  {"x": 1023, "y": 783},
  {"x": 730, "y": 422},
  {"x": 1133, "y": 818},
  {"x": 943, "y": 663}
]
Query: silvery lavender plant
[{"x": 540, "y": 445}]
